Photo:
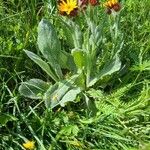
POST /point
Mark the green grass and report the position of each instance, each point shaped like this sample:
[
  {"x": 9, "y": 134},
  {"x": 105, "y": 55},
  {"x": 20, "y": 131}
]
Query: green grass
[{"x": 123, "y": 118}]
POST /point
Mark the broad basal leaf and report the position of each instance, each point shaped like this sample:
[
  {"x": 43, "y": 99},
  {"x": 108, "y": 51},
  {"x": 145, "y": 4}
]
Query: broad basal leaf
[
  {"x": 55, "y": 94},
  {"x": 42, "y": 64},
  {"x": 34, "y": 88},
  {"x": 49, "y": 45},
  {"x": 108, "y": 69},
  {"x": 70, "y": 96}
]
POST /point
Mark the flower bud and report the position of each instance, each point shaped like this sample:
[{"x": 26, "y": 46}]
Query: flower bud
[{"x": 94, "y": 2}]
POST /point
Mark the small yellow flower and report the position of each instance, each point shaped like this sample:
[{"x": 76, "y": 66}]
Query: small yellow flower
[
  {"x": 67, "y": 6},
  {"x": 30, "y": 145},
  {"x": 55, "y": 97}
]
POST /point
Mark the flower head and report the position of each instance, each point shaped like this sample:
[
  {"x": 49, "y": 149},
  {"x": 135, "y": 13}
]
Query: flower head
[
  {"x": 67, "y": 7},
  {"x": 30, "y": 145},
  {"x": 112, "y": 5},
  {"x": 86, "y": 2},
  {"x": 94, "y": 2},
  {"x": 82, "y": 4}
]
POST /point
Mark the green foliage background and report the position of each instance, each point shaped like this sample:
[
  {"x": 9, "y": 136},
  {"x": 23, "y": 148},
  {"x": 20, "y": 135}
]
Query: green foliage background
[{"x": 123, "y": 118}]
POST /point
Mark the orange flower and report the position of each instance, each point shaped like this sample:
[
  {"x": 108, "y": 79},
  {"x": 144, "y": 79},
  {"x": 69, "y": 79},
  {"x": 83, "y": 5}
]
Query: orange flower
[
  {"x": 72, "y": 7},
  {"x": 112, "y": 5}
]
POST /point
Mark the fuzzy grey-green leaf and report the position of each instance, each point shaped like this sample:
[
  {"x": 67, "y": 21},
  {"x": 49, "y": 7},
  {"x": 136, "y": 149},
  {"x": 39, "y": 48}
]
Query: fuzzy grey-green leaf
[
  {"x": 34, "y": 88},
  {"x": 54, "y": 95},
  {"x": 111, "y": 67},
  {"x": 49, "y": 45},
  {"x": 70, "y": 96},
  {"x": 42, "y": 64}
]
